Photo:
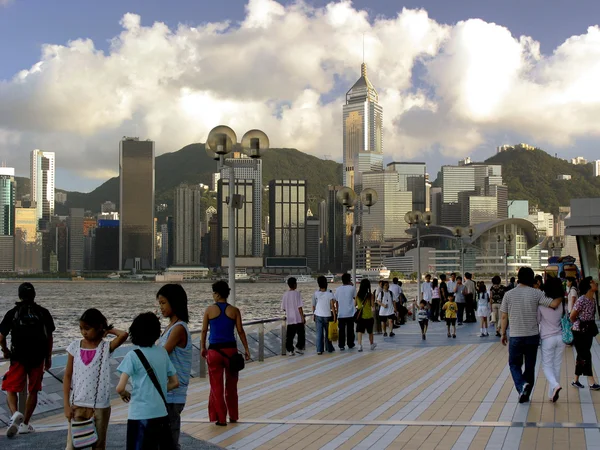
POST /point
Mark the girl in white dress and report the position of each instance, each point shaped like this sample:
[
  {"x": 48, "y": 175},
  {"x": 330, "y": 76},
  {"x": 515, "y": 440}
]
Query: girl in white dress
[{"x": 484, "y": 308}]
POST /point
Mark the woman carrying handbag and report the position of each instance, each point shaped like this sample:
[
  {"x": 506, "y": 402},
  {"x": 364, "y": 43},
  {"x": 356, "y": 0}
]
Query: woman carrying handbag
[{"x": 364, "y": 317}]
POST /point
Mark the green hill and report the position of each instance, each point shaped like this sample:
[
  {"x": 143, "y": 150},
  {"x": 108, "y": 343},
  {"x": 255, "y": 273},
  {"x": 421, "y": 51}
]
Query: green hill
[{"x": 532, "y": 175}]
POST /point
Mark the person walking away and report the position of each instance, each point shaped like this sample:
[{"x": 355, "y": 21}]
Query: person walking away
[
  {"x": 496, "y": 295},
  {"x": 86, "y": 382},
  {"x": 435, "y": 301},
  {"x": 423, "y": 318},
  {"x": 293, "y": 306},
  {"x": 344, "y": 296},
  {"x": 460, "y": 299},
  {"x": 511, "y": 285},
  {"x": 222, "y": 319},
  {"x": 323, "y": 305},
  {"x": 30, "y": 327},
  {"x": 177, "y": 341},
  {"x": 469, "y": 292},
  {"x": 585, "y": 330},
  {"x": 519, "y": 308},
  {"x": 484, "y": 308},
  {"x": 148, "y": 425},
  {"x": 365, "y": 307},
  {"x": 443, "y": 295},
  {"x": 450, "y": 308},
  {"x": 396, "y": 290},
  {"x": 572, "y": 293},
  {"x": 427, "y": 290},
  {"x": 551, "y": 336},
  {"x": 378, "y": 291},
  {"x": 386, "y": 309}
]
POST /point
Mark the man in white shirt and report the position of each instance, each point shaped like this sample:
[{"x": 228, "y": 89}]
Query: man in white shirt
[
  {"x": 344, "y": 296},
  {"x": 324, "y": 308},
  {"x": 452, "y": 283},
  {"x": 426, "y": 290},
  {"x": 395, "y": 289}
]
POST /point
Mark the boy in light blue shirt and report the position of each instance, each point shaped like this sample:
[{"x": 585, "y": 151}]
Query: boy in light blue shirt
[{"x": 148, "y": 425}]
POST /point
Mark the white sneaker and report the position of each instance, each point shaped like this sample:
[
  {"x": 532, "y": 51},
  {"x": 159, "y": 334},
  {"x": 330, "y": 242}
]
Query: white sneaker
[
  {"x": 373, "y": 346},
  {"x": 360, "y": 348},
  {"x": 26, "y": 429},
  {"x": 300, "y": 352},
  {"x": 15, "y": 422},
  {"x": 290, "y": 353}
]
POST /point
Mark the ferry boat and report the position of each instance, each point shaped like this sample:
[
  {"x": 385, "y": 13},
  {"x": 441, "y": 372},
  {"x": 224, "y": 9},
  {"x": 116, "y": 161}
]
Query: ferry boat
[
  {"x": 241, "y": 275},
  {"x": 381, "y": 273},
  {"x": 330, "y": 277},
  {"x": 113, "y": 276}
]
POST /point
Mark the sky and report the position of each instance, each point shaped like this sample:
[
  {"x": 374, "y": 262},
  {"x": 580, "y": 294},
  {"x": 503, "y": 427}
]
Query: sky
[{"x": 455, "y": 79}]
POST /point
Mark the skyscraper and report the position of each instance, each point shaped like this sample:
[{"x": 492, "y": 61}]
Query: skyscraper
[
  {"x": 189, "y": 214},
  {"x": 28, "y": 242},
  {"x": 136, "y": 231},
  {"x": 76, "y": 241},
  {"x": 43, "y": 173},
  {"x": 337, "y": 260},
  {"x": 362, "y": 131},
  {"x": 412, "y": 177},
  {"x": 8, "y": 189}
]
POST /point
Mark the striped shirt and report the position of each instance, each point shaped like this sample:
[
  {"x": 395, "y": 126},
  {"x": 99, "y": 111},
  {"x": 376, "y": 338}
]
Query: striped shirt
[
  {"x": 182, "y": 360},
  {"x": 521, "y": 305}
]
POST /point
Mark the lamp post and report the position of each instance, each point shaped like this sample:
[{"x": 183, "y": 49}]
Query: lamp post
[
  {"x": 459, "y": 233},
  {"x": 417, "y": 219},
  {"x": 556, "y": 243},
  {"x": 507, "y": 239},
  {"x": 348, "y": 198},
  {"x": 221, "y": 141}
]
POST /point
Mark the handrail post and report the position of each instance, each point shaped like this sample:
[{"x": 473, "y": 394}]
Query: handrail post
[
  {"x": 261, "y": 342},
  {"x": 283, "y": 352},
  {"x": 202, "y": 371},
  {"x": 22, "y": 400}
]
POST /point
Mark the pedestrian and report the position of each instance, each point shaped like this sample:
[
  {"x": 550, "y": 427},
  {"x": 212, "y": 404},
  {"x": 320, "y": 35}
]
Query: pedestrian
[
  {"x": 551, "y": 336},
  {"x": 585, "y": 330},
  {"x": 222, "y": 319},
  {"x": 365, "y": 307},
  {"x": 434, "y": 312},
  {"x": 30, "y": 327},
  {"x": 323, "y": 304},
  {"x": 396, "y": 290},
  {"x": 538, "y": 282},
  {"x": 387, "y": 312},
  {"x": 378, "y": 291},
  {"x": 450, "y": 308},
  {"x": 460, "y": 299},
  {"x": 519, "y": 308},
  {"x": 86, "y": 381},
  {"x": 151, "y": 374},
  {"x": 427, "y": 290},
  {"x": 572, "y": 293},
  {"x": 344, "y": 297},
  {"x": 423, "y": 318},
  {"x": 443, "y": 295},
  {"x": 293, "y": 306},
  {"x": 496, "y": 295},
  {"x": 484, "y": 309},
  {"x": 469, "y": 292},
  {"x": 511, "y": 285},
  {"x": 177, "y": 341}
]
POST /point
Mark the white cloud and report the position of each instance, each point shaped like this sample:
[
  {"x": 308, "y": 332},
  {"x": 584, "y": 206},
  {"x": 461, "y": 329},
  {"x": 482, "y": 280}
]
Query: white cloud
[
  {"x": 5, "y": 2},
  {"x": 285, "y": 69}
]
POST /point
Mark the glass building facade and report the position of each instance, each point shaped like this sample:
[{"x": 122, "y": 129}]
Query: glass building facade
[
  {"x": 43, "y": 172},
  {"x": 28, "y": 241},
  {"x": 8, "y": 188},
  {"x": 412, "y": 177},
  {"x": 287, "y": 217},
  {"x": 136, "y": 231},
  {"x": 244, "y": 220}
]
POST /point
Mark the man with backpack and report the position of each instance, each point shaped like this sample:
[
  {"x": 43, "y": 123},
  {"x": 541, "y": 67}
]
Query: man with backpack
[{"x": 30, "y": 327}]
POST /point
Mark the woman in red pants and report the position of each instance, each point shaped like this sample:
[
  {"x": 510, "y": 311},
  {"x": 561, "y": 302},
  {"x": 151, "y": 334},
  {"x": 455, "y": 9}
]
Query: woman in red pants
[{"x": 222, "y": 318}]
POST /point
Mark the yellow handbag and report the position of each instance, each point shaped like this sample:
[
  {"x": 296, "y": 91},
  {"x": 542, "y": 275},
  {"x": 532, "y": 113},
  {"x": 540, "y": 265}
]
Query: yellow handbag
[{"x": 333, "y": 332}]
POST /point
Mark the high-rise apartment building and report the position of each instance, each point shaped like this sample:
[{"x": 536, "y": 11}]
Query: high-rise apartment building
[
  {"x": 8, "y": 189},
  {"x": 106, "y": 245},
  {"x": 43, "y": 172},
  {"x": 412, "y": 176},
  {"x": 596, "y": 168},
  {"x": 189, "y": 215},
  {"x": 250, "y": 170},
  {"x": 136, "y": 230},
  {"x": 28, "y": 242},
  {"x": 362, "y": 131},
  {"x": 76, "y": 241}
]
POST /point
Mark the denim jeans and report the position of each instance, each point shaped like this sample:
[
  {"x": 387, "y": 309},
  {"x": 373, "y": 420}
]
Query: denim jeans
[
  {"x": 523, "y": 349},
  {"x": 149, "y": 434},
  {"x": 461, "y": 312},
  {"x": 323, "y": 334}
]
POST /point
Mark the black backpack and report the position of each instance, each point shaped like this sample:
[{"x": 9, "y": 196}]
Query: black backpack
[{"x": 29, "y": 337}]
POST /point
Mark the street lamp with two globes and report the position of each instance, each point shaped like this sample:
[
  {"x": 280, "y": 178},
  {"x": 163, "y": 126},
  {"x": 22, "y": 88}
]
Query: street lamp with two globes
[
  {"x": 417, "y": 219},
  {"x": 221, "y": 141}
]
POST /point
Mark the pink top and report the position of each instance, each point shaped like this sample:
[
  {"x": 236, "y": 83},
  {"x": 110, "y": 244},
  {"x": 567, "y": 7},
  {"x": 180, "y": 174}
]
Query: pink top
[
  {"x": 436, "y": 292},
  {"x": 87, "y": 355},
  {"x": 549, "y": 320},
  {"x": 291, "y": 301}
]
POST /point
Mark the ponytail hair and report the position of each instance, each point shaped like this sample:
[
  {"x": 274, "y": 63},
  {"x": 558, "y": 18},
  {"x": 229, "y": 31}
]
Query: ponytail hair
[{"x": 95, "y": 319}]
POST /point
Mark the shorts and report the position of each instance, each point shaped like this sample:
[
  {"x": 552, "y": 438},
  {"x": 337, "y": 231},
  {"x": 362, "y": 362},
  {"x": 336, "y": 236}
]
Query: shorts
[
  {"x": 16, "y": 377},
  {"x": 365, "y": 325},
  {"x": 390, "y": 317},
  {"x": 451, "y": 322},
  {"x": 423, "y": 324}
]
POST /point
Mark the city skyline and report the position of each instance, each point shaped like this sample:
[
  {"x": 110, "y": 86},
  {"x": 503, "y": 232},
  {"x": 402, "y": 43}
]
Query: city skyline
[{"x": 444, "y": 94}]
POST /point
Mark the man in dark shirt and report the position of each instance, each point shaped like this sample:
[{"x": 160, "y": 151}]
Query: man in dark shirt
[
  {"x": 30, "y": 327},
  {"x": 443, "y": 295}
]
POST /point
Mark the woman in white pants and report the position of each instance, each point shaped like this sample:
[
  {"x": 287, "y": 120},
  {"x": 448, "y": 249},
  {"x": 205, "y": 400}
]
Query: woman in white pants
[{"x": 551, "y": 335}]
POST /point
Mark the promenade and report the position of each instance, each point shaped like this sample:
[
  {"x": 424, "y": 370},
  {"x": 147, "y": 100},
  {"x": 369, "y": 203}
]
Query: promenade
[{"x": 407, "y": 394}]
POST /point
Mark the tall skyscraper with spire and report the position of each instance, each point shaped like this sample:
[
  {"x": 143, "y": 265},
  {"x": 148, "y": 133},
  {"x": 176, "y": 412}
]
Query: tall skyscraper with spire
[{"x": 363, "y": 131}]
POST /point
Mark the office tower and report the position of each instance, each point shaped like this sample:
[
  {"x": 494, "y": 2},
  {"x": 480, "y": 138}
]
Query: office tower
[
  {"x": 501, "y": 195},
  {"x": 287, "y": 220},
  {"x": 436, "y": 205},
  {"x": 337, "y": 260},
  {"x": 136, "y": 230},
  {"x": 76, "y": 247},
  {"x": 7, "y": 253},
  {"x": 43, "y": 172},
  {"x": 106, "y": 245},
  {"x": 596, "y": 168},
  {"x": 385, "y": 219},
  {"x": 28, "y": 242},
  {"x": 313, "y": 244},
  {"x": 214, "y": 181},
  {"x": 412, "y": 178},
  {"x": 189, "y": 215},
  {"x": 164, "y": 250},
  {"x": 362, "y": 131},
  {"x": 476, "y": 209},
  {"x": 248, "y": 169},
  {"x": 213, "y": 258},
  {"x": 8, "y": 190},
  {"x": 244, "y": 230},
  {"x": 108, "y": 207}
]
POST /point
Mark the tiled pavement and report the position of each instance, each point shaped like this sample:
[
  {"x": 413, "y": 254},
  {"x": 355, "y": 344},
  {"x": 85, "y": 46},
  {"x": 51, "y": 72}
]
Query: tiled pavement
[{"x": 407, "y": 394}]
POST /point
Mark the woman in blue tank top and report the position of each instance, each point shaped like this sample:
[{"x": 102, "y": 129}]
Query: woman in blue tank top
[
  {"x": 177, "y": 341},
  {"x": 222, "y": 319}
]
